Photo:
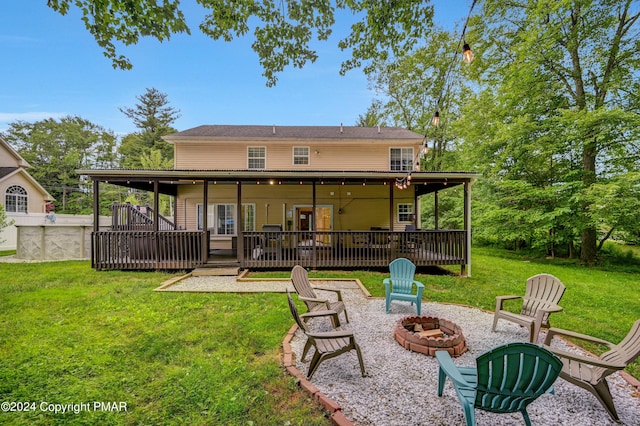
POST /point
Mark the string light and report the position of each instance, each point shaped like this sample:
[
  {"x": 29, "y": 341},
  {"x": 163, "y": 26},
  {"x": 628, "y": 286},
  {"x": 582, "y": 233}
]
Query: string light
[
  {"x": 467, "y": 54},
  {"x": 467, "y": 57}
]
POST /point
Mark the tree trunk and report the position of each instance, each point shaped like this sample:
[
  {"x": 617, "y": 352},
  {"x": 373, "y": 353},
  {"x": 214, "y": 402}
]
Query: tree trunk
[{"x": 589, "y": 237}]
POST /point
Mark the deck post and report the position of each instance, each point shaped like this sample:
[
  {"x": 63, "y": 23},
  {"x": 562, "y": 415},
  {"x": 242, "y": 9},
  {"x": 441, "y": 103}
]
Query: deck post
[
  {"x": 466, "y": 268},
  {"x": 205, "y": 225},
  {"x": 240, "y": 222},
  {"x": 313, "y": 225},
  {"x": 95, "y": 251}
]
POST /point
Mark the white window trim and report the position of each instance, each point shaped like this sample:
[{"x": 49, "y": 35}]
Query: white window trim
[
  {"x": 293, "y": 156},
  {"x": 402, "y": 148},
  {"x": 264, "y": 158},
  {"x": 411, "y": 212},
  {"x": 212, "y": 219},
  {"x": 17, "y": 196}
]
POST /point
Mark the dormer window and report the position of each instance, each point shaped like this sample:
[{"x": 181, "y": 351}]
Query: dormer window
[
  {"x": 401, "y": 159},
  {"x": 257, "y": 157}
]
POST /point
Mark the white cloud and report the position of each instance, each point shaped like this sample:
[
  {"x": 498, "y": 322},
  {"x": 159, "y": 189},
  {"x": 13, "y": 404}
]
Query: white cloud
[{"x": 7, "y": 117}]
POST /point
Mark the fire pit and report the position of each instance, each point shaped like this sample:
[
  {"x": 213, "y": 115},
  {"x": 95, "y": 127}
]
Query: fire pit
[{"x": 429, "y": 334}]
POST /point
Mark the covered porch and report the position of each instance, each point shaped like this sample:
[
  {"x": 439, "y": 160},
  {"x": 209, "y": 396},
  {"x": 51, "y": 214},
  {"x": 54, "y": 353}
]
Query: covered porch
[{"x": 147, "y": 241}]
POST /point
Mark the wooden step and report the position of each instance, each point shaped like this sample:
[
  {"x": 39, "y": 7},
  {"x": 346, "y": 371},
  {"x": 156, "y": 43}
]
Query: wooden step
[{"x": 199, "y": 272}]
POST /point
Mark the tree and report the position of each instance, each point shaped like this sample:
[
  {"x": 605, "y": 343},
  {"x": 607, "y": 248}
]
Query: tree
[
  {"x": 154, "y": 117},
  {"x": 555, "y": 116},
  {"x": 3, "y": 221},
  {"x": 56, "y": 149},
  {"x": 283, "y": 30}
]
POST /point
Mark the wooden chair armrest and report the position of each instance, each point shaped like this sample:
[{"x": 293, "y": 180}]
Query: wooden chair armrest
[
  {"x": 449, "y": 368},
  {"x": 508, "y": 297},
  {"x": 320, "y": 314},
  {"x": 331, "y": 334},
  {"x": 550, "y": 308},
  {"x": 500, "y": 301},
  {"x": 567, "y": 333},
  {"x": 596, "y": 362},
  {"x": 333, "y": 290},
  {"x": 312, "y": 299}
]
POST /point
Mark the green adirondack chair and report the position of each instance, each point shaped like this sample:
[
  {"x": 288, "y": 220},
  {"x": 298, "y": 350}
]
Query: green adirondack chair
[
  {"x": 506, "y": 379},
  {"x": 401, "y": 284}
]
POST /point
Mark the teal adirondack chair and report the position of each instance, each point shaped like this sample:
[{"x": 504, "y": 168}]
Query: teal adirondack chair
[
  {"x": 506, "y": 379},
  {"x": 401, "y": 284}
]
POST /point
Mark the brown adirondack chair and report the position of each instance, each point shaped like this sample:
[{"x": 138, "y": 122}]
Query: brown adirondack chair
[
  {"x": 590, "y": 372},
  {"x": 327, "y": 344},
  {"x": 541, "y": 298},
  {"x": 306, "y": 293}
]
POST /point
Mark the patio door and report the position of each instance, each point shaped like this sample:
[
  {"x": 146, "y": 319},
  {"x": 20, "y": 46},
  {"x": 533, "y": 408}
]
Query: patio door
[{"x": 305, "y": 217}]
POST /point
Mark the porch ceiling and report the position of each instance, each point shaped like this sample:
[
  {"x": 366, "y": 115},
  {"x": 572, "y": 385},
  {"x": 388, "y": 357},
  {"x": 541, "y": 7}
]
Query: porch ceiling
[{"x": 169, "y": 180}]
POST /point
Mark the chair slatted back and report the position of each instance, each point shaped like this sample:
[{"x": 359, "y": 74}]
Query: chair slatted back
[
  {"x": 512, "y": 376},
  {"x": 300, "y": 280},
  {"x": 627, "y": 350},
  {"x": 542, "y": 290},
  {"x": 402, "y": 272},
  {"x": 294, "y": 312}
]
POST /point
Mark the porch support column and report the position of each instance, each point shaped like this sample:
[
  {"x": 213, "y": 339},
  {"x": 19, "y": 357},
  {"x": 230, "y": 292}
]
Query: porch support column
[
  {"x": 205, "y": 225},
  {"x": 96, "y": 205},
  {"x": 436, "y": 212},
  {"x": 466, "y": 269},
  {"x": 95, "y": 250},
  {"x": 240, "y": 222},
  {"x": 416, "y": 210},
  {"x": 313, "y": 224},
  {"x": 156, "y": 221},
  {"x": 391, "y": 207}
]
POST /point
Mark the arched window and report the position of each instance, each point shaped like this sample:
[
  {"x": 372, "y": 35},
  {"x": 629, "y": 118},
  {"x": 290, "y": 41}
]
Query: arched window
[{"x": 15, "y": 199}]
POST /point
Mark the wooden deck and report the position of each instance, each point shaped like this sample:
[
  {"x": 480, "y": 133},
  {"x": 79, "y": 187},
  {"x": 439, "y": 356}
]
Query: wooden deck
[{"x": 172, "y": 250}]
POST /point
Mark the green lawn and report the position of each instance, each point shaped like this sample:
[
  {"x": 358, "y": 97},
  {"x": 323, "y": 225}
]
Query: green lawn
[{"x": 71, "y": 335}]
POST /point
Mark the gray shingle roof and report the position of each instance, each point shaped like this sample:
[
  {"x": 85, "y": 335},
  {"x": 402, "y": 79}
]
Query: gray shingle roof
[
  {"x": 4, "y": 171},
  {"x": 296, "y": 132}
]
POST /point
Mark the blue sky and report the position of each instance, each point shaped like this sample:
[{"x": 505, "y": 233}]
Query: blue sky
[{"x": 53, "y": 67}]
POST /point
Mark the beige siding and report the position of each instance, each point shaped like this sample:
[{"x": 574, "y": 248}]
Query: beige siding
[
  {"x": 362, "y": 207},
  {"x": 367, "y": 155},
  {"x": 36, "y": 201}
]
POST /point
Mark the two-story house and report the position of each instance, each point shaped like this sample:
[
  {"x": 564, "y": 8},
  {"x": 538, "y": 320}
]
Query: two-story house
[{"x": 276, "y": 196}]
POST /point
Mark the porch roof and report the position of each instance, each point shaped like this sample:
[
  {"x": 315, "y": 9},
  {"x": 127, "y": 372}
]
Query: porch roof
[{"x": 169, "y": 180}]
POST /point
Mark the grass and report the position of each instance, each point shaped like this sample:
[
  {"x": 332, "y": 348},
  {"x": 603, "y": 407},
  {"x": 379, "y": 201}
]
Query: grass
[{"x": 69, "y": 334}]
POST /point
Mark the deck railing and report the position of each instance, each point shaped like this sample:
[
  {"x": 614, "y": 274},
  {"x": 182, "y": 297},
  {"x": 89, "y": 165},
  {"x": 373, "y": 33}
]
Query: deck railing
[
  {"x": 127, "y": 217},
  {"x": 147, "y": 250},
  {"x": 352, "y": 249}
]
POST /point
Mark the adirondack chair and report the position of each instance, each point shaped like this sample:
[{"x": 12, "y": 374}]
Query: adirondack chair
[
  {"x": 506, "y": 379},
  {"x": 590, "y": 372},
  {"x": 401, "y": 283},
  {"x": 327, "y": 344},
  {"x": 306, "y": 293},
  {"x": 541, "y": 298}
]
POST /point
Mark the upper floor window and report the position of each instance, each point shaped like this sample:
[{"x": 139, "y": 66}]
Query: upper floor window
[
  {"x": 256, "y": 157},
  {"x": 401, "y": 159},
  {"x": 15, "y": 199},
  {"x": 300, "y": 155}
]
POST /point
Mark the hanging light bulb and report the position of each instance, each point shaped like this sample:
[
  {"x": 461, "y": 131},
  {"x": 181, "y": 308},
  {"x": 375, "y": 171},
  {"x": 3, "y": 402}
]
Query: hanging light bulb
[
  {"x": 436, "y": 119},
  {"x": 467, "y": 54}
]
